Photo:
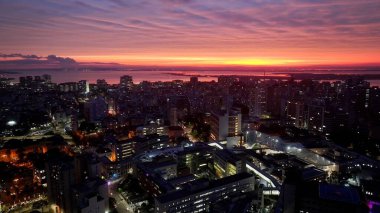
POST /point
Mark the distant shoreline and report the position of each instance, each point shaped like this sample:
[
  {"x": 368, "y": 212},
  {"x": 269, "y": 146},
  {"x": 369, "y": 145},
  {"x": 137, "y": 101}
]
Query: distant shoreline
[
  {"x": 113, "y": 76},
  {"x": 289, "y": 75},
  {"x": 8, "y": 72}
]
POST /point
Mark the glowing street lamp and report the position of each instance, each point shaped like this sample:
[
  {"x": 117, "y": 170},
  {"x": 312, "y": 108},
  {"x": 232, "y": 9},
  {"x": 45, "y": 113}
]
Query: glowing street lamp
[{"x": 11, "y": 123}]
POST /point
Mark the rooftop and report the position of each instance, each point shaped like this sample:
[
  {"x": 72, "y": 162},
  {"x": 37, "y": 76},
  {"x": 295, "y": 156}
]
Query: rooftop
[
  {"x": 211, "y": 184},
  {"x": 338, "y": 193},
  {"x": 227, "y": 155}
]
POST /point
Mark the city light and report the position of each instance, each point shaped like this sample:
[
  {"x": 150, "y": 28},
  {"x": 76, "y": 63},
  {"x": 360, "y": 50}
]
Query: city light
[
  {"x": 189, "y": 106},
  {"x": 11, "y": 123}
]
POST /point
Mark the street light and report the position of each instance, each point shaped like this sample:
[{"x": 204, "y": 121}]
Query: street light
[{"x": 11, "y": 123}]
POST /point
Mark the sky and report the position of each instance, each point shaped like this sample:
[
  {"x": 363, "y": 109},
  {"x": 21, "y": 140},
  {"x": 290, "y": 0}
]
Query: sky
[{"x": 194, "y": 32}]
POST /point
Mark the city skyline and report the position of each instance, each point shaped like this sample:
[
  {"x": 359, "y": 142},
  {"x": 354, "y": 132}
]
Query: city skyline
[
  {"x": 189, "y": 106},
  {"x": 80, "y": 146},
  {"x": 195, "y": 33}
]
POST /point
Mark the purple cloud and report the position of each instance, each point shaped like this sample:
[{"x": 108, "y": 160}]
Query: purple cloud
[
  {"x": 20, "y": 61},
  {"x": 18, "y": 55},
  {"x": 239, "y": 28}
]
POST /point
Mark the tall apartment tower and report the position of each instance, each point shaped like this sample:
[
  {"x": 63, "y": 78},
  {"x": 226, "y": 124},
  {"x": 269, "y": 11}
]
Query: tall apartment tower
[
  {"x": 74, "y": 184},
  {"x": 96, "y": 109},
  {"x": 260, "y": 100},
  {"x": 126, "y": 82},
  {"x": 225, "y": 124},
  {"x": 84, "y": 86},
  {"x": 60, "y": 177}
]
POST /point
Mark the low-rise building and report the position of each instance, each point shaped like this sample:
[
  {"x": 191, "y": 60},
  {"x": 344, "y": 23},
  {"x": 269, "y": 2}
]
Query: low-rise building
[{"x": 197, "y": 196}]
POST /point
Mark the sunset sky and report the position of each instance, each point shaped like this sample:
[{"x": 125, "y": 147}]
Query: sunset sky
[{"x": 195, "y": 32}]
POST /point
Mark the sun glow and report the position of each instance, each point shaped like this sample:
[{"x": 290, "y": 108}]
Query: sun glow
[
  {"x": 189, "y": 60},
  {"x": 263, "y": 62}
]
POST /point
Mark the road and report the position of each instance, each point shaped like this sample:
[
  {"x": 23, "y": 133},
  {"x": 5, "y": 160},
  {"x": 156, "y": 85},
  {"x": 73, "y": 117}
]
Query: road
[
  {"x": 26, "y": 206},
  {"x": 122, "y": 205}
]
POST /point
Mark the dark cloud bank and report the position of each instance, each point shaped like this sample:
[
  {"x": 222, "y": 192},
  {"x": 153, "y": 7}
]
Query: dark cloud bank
[{"x": 21, "y": 61}]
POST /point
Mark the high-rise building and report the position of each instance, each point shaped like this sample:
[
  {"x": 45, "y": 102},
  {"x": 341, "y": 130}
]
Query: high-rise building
[
  {"x": 126, "y": 82},
  {"x": 173, "y": 118},
  {"x": 296, "y": 113},
  {"x": 260, "y": 99},
  {"x": 90, "y": 196},
  {"x": 178, "y": 108},
  {"x": 123, "y": 149},
  {"x": 68, "y": 87},
  {"x": 374, "y": 103},
  {"x": 224, "y": 124},
  {"x": 334, "y": 119},
  {"x": 84, "y": 86},
  {"x": 74, "y": 121},
  {"x": 96, "y": 109},
  {"x": 193, "y": 80},
  {"x": 87, "y": 166},
  {"x": 315, "y": 116},
  {"x": 274, "y": 100},
  {"x": 356, "y": 99},
  {"x": 101, "y": 84},
  {"x": 74, "y": 186},
  {"x": 60, "y": 177},
  {"x": 46, "y": 78}
]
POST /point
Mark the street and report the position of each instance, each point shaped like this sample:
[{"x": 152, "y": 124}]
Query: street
[{"x": 122, "y": 205}]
